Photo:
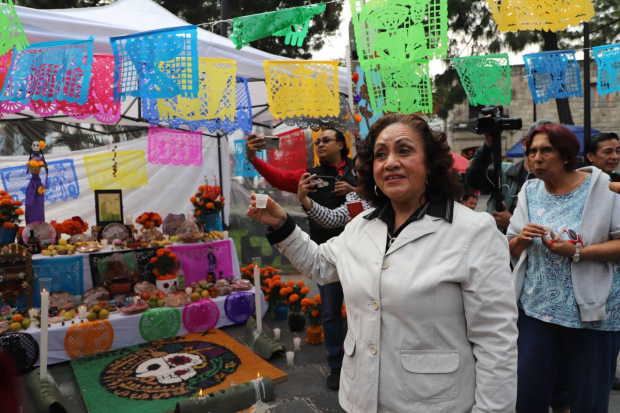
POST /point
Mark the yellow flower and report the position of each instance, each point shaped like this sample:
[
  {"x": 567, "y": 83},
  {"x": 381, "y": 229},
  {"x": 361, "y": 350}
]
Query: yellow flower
[
  {"x": 41, "y": 190},
  {"x": 41, "y": 145}
]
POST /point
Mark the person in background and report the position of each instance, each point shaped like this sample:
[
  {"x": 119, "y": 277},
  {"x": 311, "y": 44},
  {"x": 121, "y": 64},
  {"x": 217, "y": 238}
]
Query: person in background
[
  {"x": 480, "y": 174},
  {"x": 326, "y": 217},
  {"x": 431, "y": 308},
  {"x": 333, "y": 154},
  {"x": 563, "y": 237},
  {"x": 470, "y": 201},
  {"x": 603, "y": 151}
]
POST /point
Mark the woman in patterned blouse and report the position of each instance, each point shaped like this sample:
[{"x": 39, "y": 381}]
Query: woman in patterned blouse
[{"x": 563, "y": 241}]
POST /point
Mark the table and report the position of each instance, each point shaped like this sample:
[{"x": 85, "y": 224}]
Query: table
[
  {"x": 126, "y": 330},
  {"x": 194, "y": 260}
]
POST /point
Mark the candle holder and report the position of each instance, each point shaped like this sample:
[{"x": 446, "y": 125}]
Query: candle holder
[
  {"x": 45, "y": 284},
  {"x": 257, "y": 261}
]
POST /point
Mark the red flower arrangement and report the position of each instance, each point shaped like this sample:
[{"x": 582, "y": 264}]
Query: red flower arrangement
[
  {"x": 10, "y": 211},
  {"x": 149, "y": 220},
  {"x": 207, "y": 200},
  {"x": 73, "y": 226},
  {"x": 313, "y": 309},
  {"x": 166, "y": 264}
]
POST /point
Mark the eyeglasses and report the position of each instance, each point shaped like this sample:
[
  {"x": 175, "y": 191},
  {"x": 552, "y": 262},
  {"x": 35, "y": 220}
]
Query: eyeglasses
[
  {"x": 324, "y": 140},
  {"x": 573, "y": 237}
]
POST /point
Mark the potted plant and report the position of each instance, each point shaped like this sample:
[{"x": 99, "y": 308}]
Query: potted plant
[
  {"x": 294, "y": 294},
  {"x": 166, "y": 266},
  {"x": 10, "y": 212},
  {"x": 72, "y": 227},
  {"x": 313, "y": 309},
  {"x": 208, "y": 204},
  {"x": 150, "y": 221}
]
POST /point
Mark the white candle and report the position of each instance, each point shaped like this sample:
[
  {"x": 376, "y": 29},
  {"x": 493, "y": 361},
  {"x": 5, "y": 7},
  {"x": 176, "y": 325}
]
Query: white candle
[
  {"x": 82, "y": 312},
  {"x": 290, "y": 358},
  {"x": 45, "y": 306},
  {"x": 225, "y": 234},
  {"x": 276, "y": 333},
  {"x": 128, "y": 220},
  {"x": 188, "y": 290},
  {"x": 104, "y": 243},
  {"x": 33, "y": 313},
  {"x": 297, "y": 342},
  {"x": 258, "y": 299}
]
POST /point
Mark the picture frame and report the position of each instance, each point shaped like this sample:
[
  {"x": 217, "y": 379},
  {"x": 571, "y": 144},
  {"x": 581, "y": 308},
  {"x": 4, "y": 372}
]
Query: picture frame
[{"x": 109, "y": 206}]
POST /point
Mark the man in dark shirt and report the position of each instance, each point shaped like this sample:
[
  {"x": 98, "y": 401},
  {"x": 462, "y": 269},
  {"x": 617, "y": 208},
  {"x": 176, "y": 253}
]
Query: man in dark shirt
[
  {"x": 603, "y": 151},
  {"x": 332, "y": 152}
]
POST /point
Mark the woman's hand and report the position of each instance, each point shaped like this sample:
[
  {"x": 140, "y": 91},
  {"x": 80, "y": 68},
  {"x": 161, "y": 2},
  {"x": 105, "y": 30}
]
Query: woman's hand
[
  {"x": 559, "y": 246},
  {"x": 343, "y": 188},
  {"x": 531, "y": 231},
  {"x": 304, "y": 188},
  {"x": 274, "y": 215}
]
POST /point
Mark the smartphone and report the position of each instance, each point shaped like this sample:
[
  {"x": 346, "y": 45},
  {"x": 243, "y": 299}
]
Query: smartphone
[
  {"x": 271, "y": 142},
  {"x": 325, "y": 183}
]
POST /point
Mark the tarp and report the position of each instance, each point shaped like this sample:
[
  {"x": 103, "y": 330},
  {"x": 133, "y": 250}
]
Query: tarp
[
  {"x": 133, "y": 16},
  {"x": 517, "y": 150}
]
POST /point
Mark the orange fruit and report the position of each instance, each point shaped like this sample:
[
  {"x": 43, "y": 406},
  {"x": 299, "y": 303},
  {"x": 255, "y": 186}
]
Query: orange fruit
[
  {"x": 17, "y": 318},
  {"x": 145, "y": 295}
]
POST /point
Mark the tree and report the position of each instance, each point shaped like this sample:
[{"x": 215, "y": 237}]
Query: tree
[
  {"x": 471, "y": 25},
  {"x": 201, "y": 11}
]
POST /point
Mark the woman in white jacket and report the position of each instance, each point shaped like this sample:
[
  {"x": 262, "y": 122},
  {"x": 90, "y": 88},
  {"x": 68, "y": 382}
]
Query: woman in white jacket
[{"x": 430, "y": 303}]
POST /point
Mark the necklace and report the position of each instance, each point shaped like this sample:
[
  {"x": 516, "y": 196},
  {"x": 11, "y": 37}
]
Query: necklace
[{"x": 391, "y": 240}]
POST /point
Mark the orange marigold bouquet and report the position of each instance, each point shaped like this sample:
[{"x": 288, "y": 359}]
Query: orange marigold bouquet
[
  {"x": 10, "y": 211},
  {"x": 207, "y": 200},
  {"x": 166, "y": 264},
  {"x": 313, "y": 309},
  {"x": 295, "y": 293},
  {"x": 149, "y": 220},
  {"x": 73, "y": 226}
]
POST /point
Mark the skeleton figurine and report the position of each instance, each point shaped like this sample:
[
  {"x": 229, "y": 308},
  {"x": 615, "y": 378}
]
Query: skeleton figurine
[{"x": 35, "y": 198}]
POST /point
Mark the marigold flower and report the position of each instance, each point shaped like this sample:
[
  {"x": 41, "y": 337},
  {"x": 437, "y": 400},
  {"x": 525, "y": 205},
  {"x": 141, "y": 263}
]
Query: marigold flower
[
  {"x": 9, "y": 225},
  {"x": 305, "y": 290},
  {"x": 293, "y": 298},
  {"x": 198, "y": 213},
  {"x": 317, "y": 298},
  {"x": 153, "y": 260},
  {"x": 283, "y": 291},
  {"x": 42, "y": 145},
  {"x": 19, "y": 211},
  {"x": 267, "y": 297},
  {"x": 300, "y": 283},
  {"x": 304, "y": 308},
  {"x": 160, "y": 253},
  {"x": 3, "y": 192},
  {"x": 290, "y": 283},
  {"x": 210, "y": 205},
  {"x": 193, "y": 200},
  {"x": 315, "y": 313}
]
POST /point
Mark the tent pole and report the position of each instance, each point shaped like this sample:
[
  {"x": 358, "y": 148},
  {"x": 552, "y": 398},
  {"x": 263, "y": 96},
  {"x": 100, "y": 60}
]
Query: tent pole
[
  {"x": 126, "y": 110},
  {"x": 219, "y": 168},
  {"x": 587, "y": 127},
  {"x": 224, "y": 26}
]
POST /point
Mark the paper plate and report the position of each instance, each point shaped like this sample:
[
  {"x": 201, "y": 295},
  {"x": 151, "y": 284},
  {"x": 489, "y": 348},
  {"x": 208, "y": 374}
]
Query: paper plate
[
  {"x": 114, "y": 231},
  {"x": 43, "y": 231}
]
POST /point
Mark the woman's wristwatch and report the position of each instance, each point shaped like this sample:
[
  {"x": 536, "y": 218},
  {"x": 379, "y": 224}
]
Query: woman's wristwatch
[{"x": 576, "y": 257}]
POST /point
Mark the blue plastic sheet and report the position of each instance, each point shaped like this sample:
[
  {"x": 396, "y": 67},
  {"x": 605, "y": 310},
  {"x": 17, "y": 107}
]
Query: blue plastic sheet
[
  {"x": 51, "y": 71},
  {"x": 608, "y": 63},
  {"x": 242, "y": 166},
  {"x": 62, "y": 181},
  {"x": 243, "y": 117},
  {"x": 553, "y": 75},
  {"x": 156, "y": 64},
  {"x": 66, "y": 275}
]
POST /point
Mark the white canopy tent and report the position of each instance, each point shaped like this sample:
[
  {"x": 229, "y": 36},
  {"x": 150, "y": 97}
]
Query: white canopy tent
[{"x": 134, "y": 16}]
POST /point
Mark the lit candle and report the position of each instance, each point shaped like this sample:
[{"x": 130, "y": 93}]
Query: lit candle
[
  {"x": 257, "y": 295},
  {"x": 128, "y": 220},
  {"x": 45, "y": 306},
  {"x": 33, "y": 313},
  {"x": 290, "y": 358},
  {"x": 225, "y": 234},
  {"x": 188, "y": 290},
  {"x": 137, "y": 299},
  {"x": 297, "y": 342},
  {"x": 276, "y": 333},
  {"x": 82, "y": 311}
]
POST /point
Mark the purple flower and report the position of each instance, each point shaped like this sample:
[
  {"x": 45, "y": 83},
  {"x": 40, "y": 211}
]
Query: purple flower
[{"x": 357, "y": 98}]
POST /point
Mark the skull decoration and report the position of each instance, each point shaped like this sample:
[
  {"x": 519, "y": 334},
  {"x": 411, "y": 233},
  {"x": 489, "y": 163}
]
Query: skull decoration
[
  {"x": 36, "y": 147},
  {"x": 167, "y": 286},
  {"x": 170, "y": 369}
]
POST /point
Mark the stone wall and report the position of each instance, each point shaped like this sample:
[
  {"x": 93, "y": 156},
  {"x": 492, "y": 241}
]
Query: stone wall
[{"x": 605, "y": 112}]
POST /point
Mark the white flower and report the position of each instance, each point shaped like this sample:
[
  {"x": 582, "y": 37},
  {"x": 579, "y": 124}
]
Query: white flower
[
  {"x": 21, "y": 275},
  {"x": 1, "y": 278},
  {"x": 25, "y": 285}
]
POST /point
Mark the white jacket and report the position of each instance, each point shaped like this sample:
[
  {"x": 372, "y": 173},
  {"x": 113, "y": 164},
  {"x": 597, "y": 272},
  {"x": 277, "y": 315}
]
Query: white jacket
[{"x": 432, "y": 323}]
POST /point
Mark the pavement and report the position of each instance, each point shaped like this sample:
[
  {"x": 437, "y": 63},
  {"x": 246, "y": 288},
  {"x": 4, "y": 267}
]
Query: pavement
[{"x": 303, "y": 392}]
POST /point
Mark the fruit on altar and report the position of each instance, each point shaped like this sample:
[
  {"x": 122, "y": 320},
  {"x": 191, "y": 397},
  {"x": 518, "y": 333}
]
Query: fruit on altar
[
  {"x": 17, "y": 318},
  {"x": 104, "y": 314},
  {"x": 92, "y": 316},
  {"x": 153, "y": 297},
  {"x": 195, "y": 296},
  {"x": 62, "y": 241},
  {"x": 198, "y": 290},
  {"x": 15, "y": 326},
  {"x": 68, "y": 316},
  {"x": 146, "y": 295},
  {"x": 96, "y": 309},
  {"x": 152, "y": 304},
  {"x": 204, "y": 294},
  {"x": 144, "y": 244},
  {"x": 161, "y": 295},
  {"x": 174, "y": 238},
  {"x": 26, "y": 323},
  {"x": 160, "y": 303}
]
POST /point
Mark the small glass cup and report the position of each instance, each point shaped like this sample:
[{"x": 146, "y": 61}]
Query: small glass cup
[{"x": 261, "y": 200}]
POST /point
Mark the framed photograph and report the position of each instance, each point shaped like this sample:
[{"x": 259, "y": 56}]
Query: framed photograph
[{"x": 109, "y": 206}]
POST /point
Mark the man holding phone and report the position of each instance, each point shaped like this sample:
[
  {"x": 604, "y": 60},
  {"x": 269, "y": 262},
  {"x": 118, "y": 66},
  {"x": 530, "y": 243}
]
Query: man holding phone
[{"x": 334, "y": 165}]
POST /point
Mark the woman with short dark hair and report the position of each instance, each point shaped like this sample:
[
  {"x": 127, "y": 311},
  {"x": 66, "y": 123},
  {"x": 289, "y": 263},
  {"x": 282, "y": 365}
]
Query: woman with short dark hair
[
  {"x": 563, "y": 239},
  {"x": 431, "y": 310}
]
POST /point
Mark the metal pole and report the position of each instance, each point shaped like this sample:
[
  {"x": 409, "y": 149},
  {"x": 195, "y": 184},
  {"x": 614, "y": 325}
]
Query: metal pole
[
  {"x": 224, "y": 27},
  {"x": 534, "y": 111},
  {"x": 587, "y": 127},
  {"x": 350, "y": 90},
  {"x": 219, "y": 169}
]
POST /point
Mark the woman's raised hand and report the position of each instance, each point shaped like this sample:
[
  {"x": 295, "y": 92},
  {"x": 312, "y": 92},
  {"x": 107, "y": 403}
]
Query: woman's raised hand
[{"x": 274, "y": 215}]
